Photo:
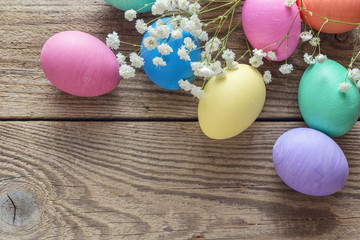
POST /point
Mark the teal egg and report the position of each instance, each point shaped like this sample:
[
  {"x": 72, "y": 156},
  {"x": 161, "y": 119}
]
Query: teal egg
[
  {"x": 131, "y": 4},
  {"x": 323, "y": 106}
]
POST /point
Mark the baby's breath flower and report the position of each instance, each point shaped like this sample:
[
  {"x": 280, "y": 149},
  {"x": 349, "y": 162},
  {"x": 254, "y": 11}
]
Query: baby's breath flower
[
  {"x": 309, "y": 59},
  {"x": 126, "y": 71},
  {"x": 259, "y": 53},
  {"x": 140, "y": 26},
  {"x": 267, "y": 77},
  {"x": 160, "y": 6},
  {"x": 272, "y": 55},
  {"x": 206, "y": 72},
  {"x": 228, "y": 55},
  {"x": 256, "y": 61},
  {"x": 159, "y": 61},
  {"x": 306, "y": 36},
  {"x": 194, "y": 8},
  {"x": 197, "y": 92},
  {"x": 232, "y": 65},
  {"x": 150, "y": 43},
  {"x": 130, "y": 14},
  {"x": 183, "y": 4},
  {"x": 185, "y": 85},
  {"x": 113, "y": 41},
  {"x": 321, "y": 58},
  {"x": 290, "y": 3},
  {"x": 153, "y": 32},
  {"x": 354, "y": 74},
  {"x": 176, "y": 34},
  {"x": 286, "y": 68},
  {"x": 136, "y": 60},
  {"x": 212, "y": 45},
  {"x": 121, "y": 58},
  {"x": 183, "y": 54},
  {"x": 315, "y": 41},
  {"x": 165, "y": 49},
  {"x": 344, "y": 87},
  {"x": 163, "y": 31},
  {"x": 201, "y": 35},
  {"x": 189, "y": 43}
]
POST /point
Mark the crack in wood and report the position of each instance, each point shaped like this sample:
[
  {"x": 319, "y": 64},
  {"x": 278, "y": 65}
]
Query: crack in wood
[{"x": 12, "y": 202}]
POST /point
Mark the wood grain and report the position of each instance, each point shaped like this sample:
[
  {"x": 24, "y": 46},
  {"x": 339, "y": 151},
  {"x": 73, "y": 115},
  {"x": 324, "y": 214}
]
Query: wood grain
[
  {"x": 25, "y": 93},
  {"x": 165, "y": 180}
]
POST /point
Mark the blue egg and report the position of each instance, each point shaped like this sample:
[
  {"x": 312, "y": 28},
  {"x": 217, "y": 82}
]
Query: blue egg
[{"x": 168, "y": 76}]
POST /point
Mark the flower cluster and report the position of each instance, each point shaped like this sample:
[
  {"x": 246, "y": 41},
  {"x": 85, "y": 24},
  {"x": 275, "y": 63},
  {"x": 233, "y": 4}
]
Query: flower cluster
[{"x": 174, "y": 18}]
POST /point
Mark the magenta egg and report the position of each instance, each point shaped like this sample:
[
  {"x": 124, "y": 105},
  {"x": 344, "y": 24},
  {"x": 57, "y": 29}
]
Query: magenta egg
[
  {"x": 80, "y": 64},
  {"x": 266, "y": 22},
  {"x": 310, "y": 162}
]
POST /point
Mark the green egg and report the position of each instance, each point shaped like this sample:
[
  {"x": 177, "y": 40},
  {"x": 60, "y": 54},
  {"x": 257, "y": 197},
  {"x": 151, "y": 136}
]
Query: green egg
[
  {"x": 131, "y": 4},
  {"x": 323, "y": 106}
]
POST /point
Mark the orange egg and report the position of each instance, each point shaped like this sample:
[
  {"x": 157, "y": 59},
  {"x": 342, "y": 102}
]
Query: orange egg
[{"x": 343, "y": 11}]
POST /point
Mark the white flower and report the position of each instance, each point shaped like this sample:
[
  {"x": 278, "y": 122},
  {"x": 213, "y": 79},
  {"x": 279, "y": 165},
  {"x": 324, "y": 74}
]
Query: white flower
[
  {"x": 121, "y": 58},
  {"x": 126, "y": 71},
  {"x": 113, "y": 41},
  {"x": 354, "y": 74},
  {"x": 256, "y": 61},
  {"x": 306, "y": 36},
  {"x": 286, "y": 68},
  {"x": 150, "y": 43},
  {"x": 159, "y": 61},
  {"x": 272, "y": 55},
  {"x": 194, "y": 8},
  {"x": 140, "y": 26},
  {"x": 183, "y": 4},
  {"x": 290, "y": 3},
  {"x": 136, "y": 60},
  {"x": 267, "y": 77},
  {"x": 153, "y": 32},
  {"x": 163, "y": 31},
  {"x": 160, "y": 6},
  {"x": 176, "y": 34},
  {"x": 344, "y": 87},
  {"x": 309, "y": 59},
  {"x": 206, "y": 72},
  {"x": 259, "y": 53},
  {"x": 196, "y": 66},
  {"x": 197, "y": 92},
  {"x": 189, "y": 43},
  {"x": 203, "y": 36},
  {"x": 185, "y": 85},
  {"x": 228, "y": 55},
  {"x": 217, "y": 69},
  {"x": 165, "y": 49},
  {"x": 183, "y": 53},
  {"x": 212, "y": 45},
  {"x": 130, "y": 14},
  {"x": 175, "y": 21},
  {"x": 232, "y": 65},
  {"x": 315, "y": 41},
  {"x": 321, "y": 58},
  {"x": 160, "y": 22}
]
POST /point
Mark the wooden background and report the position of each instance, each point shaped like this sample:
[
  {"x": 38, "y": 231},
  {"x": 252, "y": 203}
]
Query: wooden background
[{"x": 134, "y": 164}]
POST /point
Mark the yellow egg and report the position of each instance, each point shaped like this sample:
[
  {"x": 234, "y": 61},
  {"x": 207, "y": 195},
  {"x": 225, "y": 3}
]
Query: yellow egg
[{"x": 231, "y": 104}]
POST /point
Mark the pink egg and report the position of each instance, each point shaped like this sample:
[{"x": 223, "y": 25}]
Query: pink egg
[
  {"x": 80, "y": 64},
  {"x": 266, "y": 22}
]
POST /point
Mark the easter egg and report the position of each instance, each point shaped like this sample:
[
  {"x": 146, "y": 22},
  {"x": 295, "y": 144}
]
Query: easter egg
[
  {"x": 232, "y": 103},
  {"x": 176, "y": 69},
  {"x": 80, "y": 64},
  {"x": 323, "y": 106},
  {"x": 137, "y": 5},
  {"x": 343, "y": 11},
  {"x": 310, "y": 162},
  {"x": 267, "y": 22}
]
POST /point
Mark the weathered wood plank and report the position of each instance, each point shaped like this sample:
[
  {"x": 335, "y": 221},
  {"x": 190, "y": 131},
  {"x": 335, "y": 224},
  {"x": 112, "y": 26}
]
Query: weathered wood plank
[
  {"x": 26, "y": 93},
  {"x": 165, "y": 180}
]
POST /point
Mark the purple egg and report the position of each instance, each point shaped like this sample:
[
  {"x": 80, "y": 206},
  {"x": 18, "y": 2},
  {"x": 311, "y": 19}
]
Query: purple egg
[{"x": 310, "y": 162}]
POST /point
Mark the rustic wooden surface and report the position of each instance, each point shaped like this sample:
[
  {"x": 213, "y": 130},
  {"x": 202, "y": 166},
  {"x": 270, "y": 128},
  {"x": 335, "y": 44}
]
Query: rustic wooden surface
[{"x": 133, "y": 164}]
